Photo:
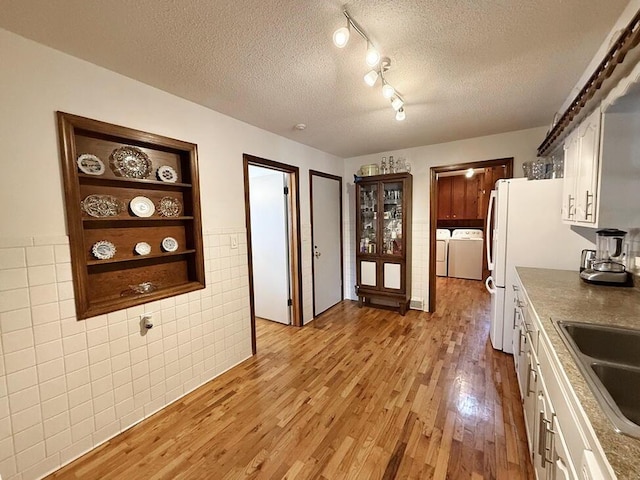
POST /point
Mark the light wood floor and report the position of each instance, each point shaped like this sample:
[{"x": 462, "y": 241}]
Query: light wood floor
[{"x": 359, "y": 394}]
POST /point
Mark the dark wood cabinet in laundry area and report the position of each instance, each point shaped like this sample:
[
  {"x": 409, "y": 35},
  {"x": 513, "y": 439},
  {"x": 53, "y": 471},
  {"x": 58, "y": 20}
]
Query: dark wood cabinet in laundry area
[{"x": 459, "y": 197}]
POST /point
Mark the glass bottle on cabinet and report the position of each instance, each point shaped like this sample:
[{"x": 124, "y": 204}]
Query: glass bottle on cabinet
[{"x": 383, "y": 234}]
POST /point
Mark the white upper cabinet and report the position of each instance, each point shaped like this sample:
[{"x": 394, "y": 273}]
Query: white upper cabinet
[
  {"x": 581, "y": 161},
  {"x": 587, "y": 179},
  {"x": 602, "y": 162},
  {"x": 571, "y": 160}
]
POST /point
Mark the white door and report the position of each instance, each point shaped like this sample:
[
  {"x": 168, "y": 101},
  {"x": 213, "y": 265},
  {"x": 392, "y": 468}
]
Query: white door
[
  {"x": 269, "y": 244},
  {"x": 327, "y": 241}
]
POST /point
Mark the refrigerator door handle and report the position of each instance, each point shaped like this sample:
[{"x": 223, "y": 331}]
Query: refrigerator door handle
[
  {"x": 492, "y": 201},
  {"x": 490, "y": 284}
]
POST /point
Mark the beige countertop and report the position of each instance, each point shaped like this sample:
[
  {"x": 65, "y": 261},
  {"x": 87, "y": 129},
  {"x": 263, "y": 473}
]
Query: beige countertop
[{"x": 561, "y": 295}]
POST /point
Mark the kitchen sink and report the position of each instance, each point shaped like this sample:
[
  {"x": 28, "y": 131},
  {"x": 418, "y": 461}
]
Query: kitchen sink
[
  {"x": 612, "y": 344},
  {"x": 609, "y": 359},
  {"x": 623, "y": 384}
]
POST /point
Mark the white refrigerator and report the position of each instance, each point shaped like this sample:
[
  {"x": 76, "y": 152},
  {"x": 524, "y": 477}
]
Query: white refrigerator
[{"x": 524, "y": 228}]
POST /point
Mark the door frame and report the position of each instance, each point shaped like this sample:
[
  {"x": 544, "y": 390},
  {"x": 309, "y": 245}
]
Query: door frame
[
  {"x": 433, "y": 214},
  {"x": 295, "y": 251},
  {"x": 317, "y": 173}
]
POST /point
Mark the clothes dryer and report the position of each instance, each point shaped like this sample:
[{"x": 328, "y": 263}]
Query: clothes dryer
[
  {"x": 465, "y": 253},
  {"x": 442, "y": 251}
]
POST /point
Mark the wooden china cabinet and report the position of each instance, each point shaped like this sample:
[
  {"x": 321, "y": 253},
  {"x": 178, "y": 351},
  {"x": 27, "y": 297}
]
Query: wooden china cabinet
[{"x": 383, "y": 239}]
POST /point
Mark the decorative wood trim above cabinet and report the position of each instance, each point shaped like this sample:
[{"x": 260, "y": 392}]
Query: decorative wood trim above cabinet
[
  {"x": 134, "y": 238},
  {"x": 617, "y": 63}
]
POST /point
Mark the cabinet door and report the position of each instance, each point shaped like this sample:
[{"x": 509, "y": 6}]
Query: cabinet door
[
  {"x": 587, "y": 180},
  {"x": 472, "y": 191},
  {"x": 458, "y": 194},
  {"x": 393, "y": 219},
  {"x": 368, "y": 218},
  {"x": 444, "y": 198},
  {"x": 571, "y": 158}
]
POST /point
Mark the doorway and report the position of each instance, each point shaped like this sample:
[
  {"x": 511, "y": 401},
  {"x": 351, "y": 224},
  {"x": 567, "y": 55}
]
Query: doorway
[
  {"x": 272, "y": 217},
  {"x": 326, "y": 240},
  {"x": 475, "y": 206}
]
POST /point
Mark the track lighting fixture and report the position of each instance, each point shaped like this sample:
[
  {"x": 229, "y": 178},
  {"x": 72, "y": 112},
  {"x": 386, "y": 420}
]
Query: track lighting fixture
[
  {"x": 387, "y": 90},
  {"x": 379, "y": 65},
  {"x": 373, "y": 56},
  {"x": 397, "y": 103},
  {"x": 341, "y": 36},
  {"x": 370, "y": 78}
]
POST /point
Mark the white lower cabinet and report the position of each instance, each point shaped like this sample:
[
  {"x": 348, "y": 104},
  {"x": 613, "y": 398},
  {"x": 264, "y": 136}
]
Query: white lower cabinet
[{"x": 558, "y": 446}]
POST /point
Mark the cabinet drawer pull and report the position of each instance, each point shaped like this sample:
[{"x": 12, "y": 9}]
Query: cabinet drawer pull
[
  {"x": 531, "y": 371},
  {"x": 542, "y": 438},
  {"x": 588, "y": 204},
  {"x": 569, "y": 206}
]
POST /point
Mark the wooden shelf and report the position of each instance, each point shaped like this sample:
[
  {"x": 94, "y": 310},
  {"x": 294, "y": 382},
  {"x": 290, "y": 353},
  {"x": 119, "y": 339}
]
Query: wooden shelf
[
  {"x": 129, "y": 182},
  {"x": 139, "y": 258},
  {"x": 128, "y": 220},
  {"x": 103, "y": 286}
]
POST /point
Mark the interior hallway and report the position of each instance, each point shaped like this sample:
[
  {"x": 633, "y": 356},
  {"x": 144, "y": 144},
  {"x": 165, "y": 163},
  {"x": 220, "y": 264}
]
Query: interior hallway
[{"x": 359, "y": 393}]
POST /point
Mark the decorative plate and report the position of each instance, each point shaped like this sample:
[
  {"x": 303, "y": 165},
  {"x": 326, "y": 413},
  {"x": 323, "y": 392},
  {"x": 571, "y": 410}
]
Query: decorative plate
[
  {"x": 103, "y": 250},
  {"x": 169, "y": 207},
  {"x": 142, "y": 207},
  {"x": 90, "y": 164},
  {"x": 101, "y": 206},
  {"x": 130, "y": 162},
  {"x": 170, "y": 244},
  {"x": 142, "y": 248},
  {"x": 167, "y": 174}
]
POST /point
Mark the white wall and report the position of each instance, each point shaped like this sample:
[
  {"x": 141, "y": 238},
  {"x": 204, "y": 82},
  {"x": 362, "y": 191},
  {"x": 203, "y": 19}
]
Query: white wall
[
  {"x": 521, "y": 145},
  {"x": 67, "y": 385}
]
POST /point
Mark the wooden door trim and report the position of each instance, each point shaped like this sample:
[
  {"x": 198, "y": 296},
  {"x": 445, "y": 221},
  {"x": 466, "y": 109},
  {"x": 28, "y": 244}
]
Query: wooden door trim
[
  {"x": 296, "y": 242},
  {"x": 433, "y": 214},
  {"x": 317, "y": 173}
]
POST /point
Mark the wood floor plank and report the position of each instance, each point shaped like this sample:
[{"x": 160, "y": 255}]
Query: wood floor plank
[{"x": 360, "y": 393}]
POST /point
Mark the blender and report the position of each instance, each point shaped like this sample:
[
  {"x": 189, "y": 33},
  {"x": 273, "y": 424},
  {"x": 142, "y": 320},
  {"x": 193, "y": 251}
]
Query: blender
[{"x": 609, "y": 266}]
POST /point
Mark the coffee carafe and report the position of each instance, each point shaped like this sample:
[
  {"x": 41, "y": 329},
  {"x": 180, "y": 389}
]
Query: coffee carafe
[{"x": 609, "y": 265}]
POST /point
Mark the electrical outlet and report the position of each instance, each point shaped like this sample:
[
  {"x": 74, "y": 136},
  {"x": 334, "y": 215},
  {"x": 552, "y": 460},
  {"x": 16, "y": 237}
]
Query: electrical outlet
[{"x": 234, "y": 241}]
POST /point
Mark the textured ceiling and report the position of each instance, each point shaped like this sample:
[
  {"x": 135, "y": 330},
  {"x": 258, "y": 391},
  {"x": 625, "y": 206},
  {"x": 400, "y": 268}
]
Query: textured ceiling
[{"x": 466, "y": 68}]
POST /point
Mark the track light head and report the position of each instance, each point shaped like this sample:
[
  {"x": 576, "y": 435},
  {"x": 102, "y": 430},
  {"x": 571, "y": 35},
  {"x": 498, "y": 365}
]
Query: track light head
[
  {"x": 373, "y": 56},
  {"x": 397, "y": 103},
  {"x": 370, "y": 78},
  {"x": 387, "y": 90},
  {"x": 341, "y": 36},
  {"x": 400, "y": 115}
]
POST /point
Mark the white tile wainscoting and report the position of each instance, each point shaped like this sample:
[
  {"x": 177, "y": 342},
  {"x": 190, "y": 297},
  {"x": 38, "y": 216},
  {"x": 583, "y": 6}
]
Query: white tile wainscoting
[{"x": 66, "y": 386}]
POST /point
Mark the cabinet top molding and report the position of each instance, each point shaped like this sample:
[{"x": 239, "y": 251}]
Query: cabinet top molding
[{"x": 617, "y": 63}]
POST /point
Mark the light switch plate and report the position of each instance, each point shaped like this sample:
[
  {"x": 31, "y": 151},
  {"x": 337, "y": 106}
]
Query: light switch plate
[{"x": 234, "y": 241}]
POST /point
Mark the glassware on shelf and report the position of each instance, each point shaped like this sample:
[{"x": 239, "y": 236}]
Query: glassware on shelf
[
  {"x": 400, "y": 165},
  {"x": 392, "y": 164},
  {"x": 383, "y": 166}
]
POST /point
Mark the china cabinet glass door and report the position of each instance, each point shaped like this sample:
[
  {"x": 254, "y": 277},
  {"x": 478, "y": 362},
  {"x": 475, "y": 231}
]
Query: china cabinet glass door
[
  {"x": 392, "y": 243},
  {"x": 368, "y": 218}
]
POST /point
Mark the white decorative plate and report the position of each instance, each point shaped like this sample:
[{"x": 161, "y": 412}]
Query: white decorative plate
[
  {"x": 142, "y": 207},
  {"x": 170, "y": 244},
  {"x": 130, "y": 162},
  {"x": 142, "y": 248},
  {"x": 167, "y": 174},
  {"x": 90, "y": 164},
  {"x": 103, "y": 250}
]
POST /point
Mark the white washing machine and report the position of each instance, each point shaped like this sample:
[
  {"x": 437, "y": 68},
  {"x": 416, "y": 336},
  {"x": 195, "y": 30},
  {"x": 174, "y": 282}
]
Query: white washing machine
[
  {"x": 465, "y": 253},
  {"x": 442, "y": 251}
]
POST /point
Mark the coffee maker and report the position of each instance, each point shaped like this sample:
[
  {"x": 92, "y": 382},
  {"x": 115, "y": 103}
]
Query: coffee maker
[{"x": 609, "y": 265}]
